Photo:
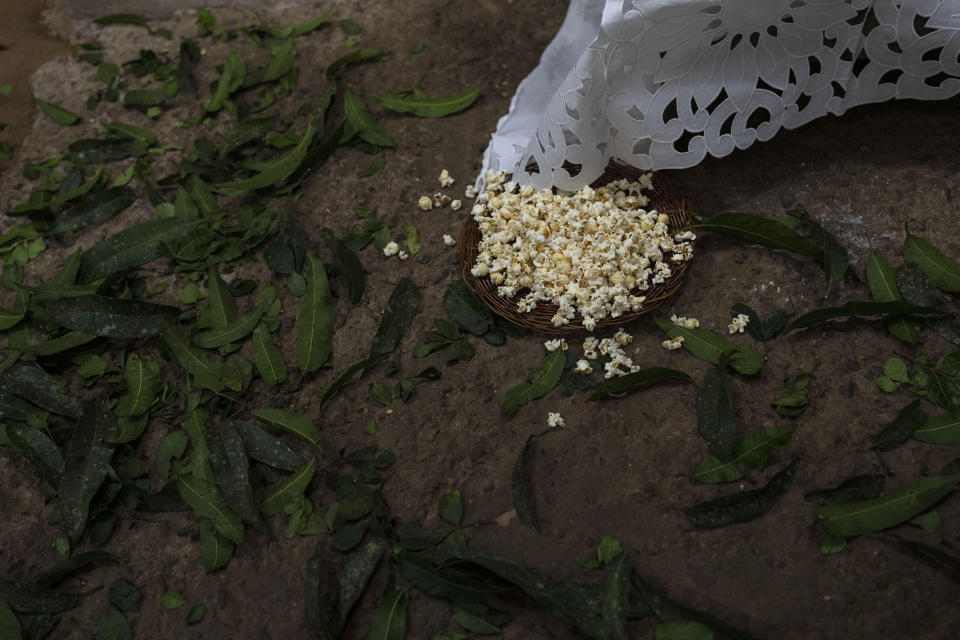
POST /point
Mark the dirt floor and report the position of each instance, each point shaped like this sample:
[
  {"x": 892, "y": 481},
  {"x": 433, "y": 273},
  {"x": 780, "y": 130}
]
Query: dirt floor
[{"x": 617, "y": 468}]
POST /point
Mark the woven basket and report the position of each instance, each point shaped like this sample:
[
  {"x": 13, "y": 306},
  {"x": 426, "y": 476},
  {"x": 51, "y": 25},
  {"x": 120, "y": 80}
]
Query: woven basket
[{"x": 663, "y": 198}]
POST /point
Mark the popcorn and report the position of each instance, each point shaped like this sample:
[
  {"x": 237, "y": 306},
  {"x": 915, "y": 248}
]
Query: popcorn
[
  {"x": 445, "y": 178},
  {"x": 587, "y": 252},
  {"x": 673, "y": 345},
  {"x": 555, "y": 420},
  {"x": 403, "y": 255},
  {"x": 425, "y": 203},
  {"x": 553, "y": 345},
  {"x": 583, "y": 367},
  {"x": 685, "y": 322},
  {"x": 448, "y": 240},
  {"x": 391, "y": 249},
  {"x": 455, "y": 205},
  {"x": 440, "y": 200},
  {"x": 470, "y": 192},
  {"x": 738, "y": 324}
]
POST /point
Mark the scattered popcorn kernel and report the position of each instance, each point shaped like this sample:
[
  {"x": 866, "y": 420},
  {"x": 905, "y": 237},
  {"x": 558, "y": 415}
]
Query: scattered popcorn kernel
[
  {"x": 470, "y": 192},
  {"x": 445, "y": 178},
  {"x": 673, "y": 345},
  {"x": 738, "y": 324},
  {"x": 555, "y": 420},
  {"x": 623, "y": 338},
  {"x": 583, "y": 367},
  {"x": 391, "y": 249},
  {"x": 553, "y": 345},
  {"x": 448, "y": 240},
  {"x": 685, "y": 322},
  {"x": 440, "y": 200},
  {"x": 425, "y": 203},
  {"x": 403, "y": 255},
  {"x": 455, "y": 205}
]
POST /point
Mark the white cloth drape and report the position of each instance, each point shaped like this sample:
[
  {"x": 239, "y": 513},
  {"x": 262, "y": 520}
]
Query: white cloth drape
[{"x": 661, "y": 84}]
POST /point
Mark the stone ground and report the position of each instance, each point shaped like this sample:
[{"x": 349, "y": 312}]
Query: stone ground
[{"x": 616, "y": 469}]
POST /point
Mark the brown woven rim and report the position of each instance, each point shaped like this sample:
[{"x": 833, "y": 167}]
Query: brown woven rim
[{"x": 663, "y": 198}]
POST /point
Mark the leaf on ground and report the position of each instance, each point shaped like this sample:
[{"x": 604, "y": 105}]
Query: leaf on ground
[
  {"x": 356, "y": 575},
  {"x": 35, "y": 446},
  {"x": 743, "y": 506},
  {"x": 204, "y": 498},
  {"x": 316, "y": 319},
  {"x": 234, "y": 332},
  {"x": 464, "y": 307},
  {"x": 793, "y": 399},
  {"x": 615, "y": 591},
  {"x": 142, "y": 377},
  {"x": 9, "y": 625},
  {"x": 758, "y": 230},
  {"x": 31, "y": 382},
  {"x": 749, "y": 453},
  {"x": 113, "y": 625},
  {"x": 901, "y": 428},
  {"x": 390, "y": 617},
  {"x": 944, "y": 272},
  {"x": 918, "y": 289},
  {"x": 883, "y": 288},
  {"x": 520, "y": 488},
  {"x": 883, "y": 512},
  {"x": 291, "y": 422},
  {"x": 132, "y": 247},
  {"x": 398, "y": 315},
  {"x": 715, "y": 418},
  {"x": 51, "y": 577},
  {"x": 85, "y": 466},
  {"x": 942, "y": 429},
  {"x": 265, "y": 448},
  {"x": 637, "y": 380},
  {"x": 272, "y": 172},
  {"x": 231, "y": 470},
  {"x": 862, "y": 487},
  {"x": 288, "y": 490},
  {"x": 354, "y": 57},
  {"x": 31, "y": 599},
  {"x": 109, "y": 317},
  {"x": 230, "y": 80},
  {"x": 935, "y": 554},
  {"x": 708, "y": 346},
  {"x": 834, "y": 257},
  {"x": 861, "y": 308},
  {"x": 58, "y": 114},
  {"x": 451, "y": 507},
  {"x": 682, "y": 630},
  {"x": 539, "y": 382},
  {"x": 267, "y": 357},
  {"x": 424, "y": 107},
  {"x": 223, "y": 308},
  {"x": 245, "y": 132},
  {"x": 361, "y": 123},
  {"x": 215, "y": 549},
  {"x": 93, "y": 209},
  {"x": 100, "y": 151},
  {"x": 196, "y": 362},
  {"x": 344, "y": 378}
]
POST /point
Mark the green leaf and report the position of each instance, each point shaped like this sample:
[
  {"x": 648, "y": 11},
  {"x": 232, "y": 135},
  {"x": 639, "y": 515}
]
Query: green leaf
[
  {"x": 451, "y": 507},
  {"x": 464, "y": 307},
  {"x": 883, "y": 512},
  {"x": 860, "y": 308},
  {"x": 288, "y": 490},
  {"x": 743, "y": 506},
  {"x": 942, "y": 429},
  {"x": 944, "y": 272},
  {"x": 398, "y": 315},
  {"x": 145, "y": 98},
  {"x": 413, "y": 237},
  {"x": 231, "y": 78},
  {"x": 196, "y": 362},
  {"x": 290, "y": 422},
  {"x": 381, "y": 394},
  {"x": 31, "y": 382},
  {"x": 615, "y": 586},
  {"x": 895, "y": 433},
  {"x": 344, "y": 378},
  {"x": 934, "y": 554},
  {"x": 758, "y": 230},
  {"x": 282, "y": 56},
  {"x": 234, "y": 332},
  {"x": 171, "y": 447},
  {"x": 360, "y": 55},
  {"x": 58, "y": 114},
  {"x": 112, "y": 625},
  {"x": 520, "y": 490},
  {"x": 28, "y": 598},
  {"x": 109, "y": 317},
  {"x": 265, "y": 448},
  {"x": 835, "y": 259},
  {"x": 749, "y": 453},
  {"x": 637, "y": 380},
  {"x": 861, "y": 487},
  {"x": 85, "y": 466},
  {"x": 142, "y": 375},
  {"x": 682, "y": 630},
  {"x": 539, "y": 381},
  {"x": 68, "y": 566},
  {"x": 267, "y": 357},
  {"x": 708, "y": 346},
  {"x": 35, "y": 446},
  {"x": 132, "y": 247},
  {"x": 232, "y": 472},
  {"x": 390, "y": 616},
  {"x": 172, "y": 600},
  {"x": 928, "y": 522},
  {"x": 272, "y": 172},
  {"x": 292, "y": 31},
  {"x": 350, "y": 27},
  {"x": 349, "y": 265},
  {"x": 318, "y": 619},
  {"x": 204, "y": 498},
  {"x": 360, "y": 121},
  {"x": 123, "y": 130},
  {"x": 223, "y": 308},
  {"x": 356, "y": 575},
  {"x": 215, "y": 549},
  {"x": 122, "y": 18},
  {"x": 195, "y": 614},
  {"x": 93, "y": 209},
  {"x": 245, "y": 132},
  {"x": 9, "y": 625},
  {"x": 793, "y": 399},
  {"x": 896, "y": 370},
  {"x": 424, "y": 107},
  {"x": 96, "y": 151},
  {"x": 316, "y": 319},
  {"x": 918, "y": 289},
  {"x": 715, "y": 414}
]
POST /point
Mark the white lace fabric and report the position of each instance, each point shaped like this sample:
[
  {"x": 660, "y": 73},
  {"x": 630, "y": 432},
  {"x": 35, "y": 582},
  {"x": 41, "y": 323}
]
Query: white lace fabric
[{"x": 661, "y": 84}]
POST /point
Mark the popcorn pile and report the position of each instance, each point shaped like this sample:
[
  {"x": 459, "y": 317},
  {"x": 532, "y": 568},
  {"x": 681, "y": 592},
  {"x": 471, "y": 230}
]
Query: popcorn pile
[
  {"x": 584, "y": 252},
  {"x": 620, "y": 363}
]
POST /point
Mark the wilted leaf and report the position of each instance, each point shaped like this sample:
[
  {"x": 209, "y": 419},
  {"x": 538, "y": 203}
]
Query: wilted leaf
[
  {"x": 204, "y": 498},
  {"x": 944, "y": 272},
  {"x": 743, "y": 506},
  {"x": 883, "y": 512},
  {"x": 758, "y": 230},
  {"x": 85, "y": 466},
  {"x": 288, "y": 490},
  {"x": 942, "y": 429},
  {"x": 429, "y": 107},
  {"x": 715, "y": 414},
  {"x": 749, "y": 453},
  {"x": 397, "y": 318},
  {"x": 883, "y": 288},
  {"x": 109, "y": 317},
  {"x": 637, "y": 380},
  {"x": 539, "y": 381},
  {"x": 316, "y": 319},
  {"x": 861, "y": 308},
  {"x": 291, "y": 422},
  {"x": 895, "y": 433},
  {"x": 708, "y": 346},
  {"x": 58, "y": 114},
  {"x": 132, "y": 247}
]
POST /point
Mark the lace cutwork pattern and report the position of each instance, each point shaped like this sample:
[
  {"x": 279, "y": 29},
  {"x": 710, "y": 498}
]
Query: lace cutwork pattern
[{"x": 668, "y": 82}]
